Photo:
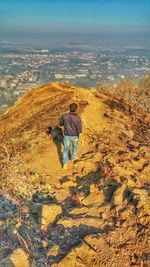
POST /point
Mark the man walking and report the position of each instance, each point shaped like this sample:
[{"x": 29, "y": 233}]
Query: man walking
[{"x": 72, "y": 129}]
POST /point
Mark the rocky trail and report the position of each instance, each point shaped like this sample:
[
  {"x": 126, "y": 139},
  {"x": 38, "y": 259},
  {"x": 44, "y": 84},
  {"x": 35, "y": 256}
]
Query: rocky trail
[{"x": 96, "y": 213}]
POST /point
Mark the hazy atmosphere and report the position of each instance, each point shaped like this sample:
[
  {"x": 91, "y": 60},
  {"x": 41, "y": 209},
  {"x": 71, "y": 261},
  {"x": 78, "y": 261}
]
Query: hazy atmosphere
[{"x": 106, "y": 23}]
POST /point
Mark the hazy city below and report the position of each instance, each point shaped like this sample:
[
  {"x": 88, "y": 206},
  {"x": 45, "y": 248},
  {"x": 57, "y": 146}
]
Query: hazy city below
[{"x": 75, "y": 63}]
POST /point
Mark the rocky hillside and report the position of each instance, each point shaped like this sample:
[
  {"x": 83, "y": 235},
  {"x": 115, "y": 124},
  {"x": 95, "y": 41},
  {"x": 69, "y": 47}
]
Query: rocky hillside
[{"x": 96, "y": 213}]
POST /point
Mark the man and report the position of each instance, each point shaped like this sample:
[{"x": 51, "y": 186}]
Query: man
[{"x": 72, "y": 129}]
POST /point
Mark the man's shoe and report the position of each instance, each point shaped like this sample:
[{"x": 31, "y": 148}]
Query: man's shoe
[
  {"x": 65, "y": 167},
  {"x": 75, "y": 161}
]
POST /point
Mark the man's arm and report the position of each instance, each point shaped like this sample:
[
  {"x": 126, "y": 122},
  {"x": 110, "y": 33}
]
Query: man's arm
[
  {"x": 61, "y": 123},
  {"x": 79, "y": 126},
  {"x": 79, "y": 129}
]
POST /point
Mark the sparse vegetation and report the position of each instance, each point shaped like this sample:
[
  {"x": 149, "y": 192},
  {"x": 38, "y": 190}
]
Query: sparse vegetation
[{"x": 136, "y": 95}]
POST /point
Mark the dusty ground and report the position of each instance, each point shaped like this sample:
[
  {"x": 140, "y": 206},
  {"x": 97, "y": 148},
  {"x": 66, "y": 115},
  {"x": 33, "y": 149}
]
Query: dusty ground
[{"x": 96, "y": 213}]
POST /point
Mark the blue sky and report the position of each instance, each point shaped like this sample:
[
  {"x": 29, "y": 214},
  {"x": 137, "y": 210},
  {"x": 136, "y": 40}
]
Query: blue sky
[{"x": 114, "y": 17}]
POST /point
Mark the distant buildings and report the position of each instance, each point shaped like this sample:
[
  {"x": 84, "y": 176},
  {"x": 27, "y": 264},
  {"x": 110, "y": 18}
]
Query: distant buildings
[{"x": 27, "y": 68}]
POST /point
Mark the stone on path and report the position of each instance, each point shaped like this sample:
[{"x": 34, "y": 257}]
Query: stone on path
[
  {"x": 49, "y": 214},
  {"x": 19, "y": 258}
]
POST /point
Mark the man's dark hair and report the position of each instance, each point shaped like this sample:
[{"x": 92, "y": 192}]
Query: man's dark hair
[{"x": 73, "y": 107}]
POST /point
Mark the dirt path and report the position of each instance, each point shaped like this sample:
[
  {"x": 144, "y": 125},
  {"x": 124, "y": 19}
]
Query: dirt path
[{"x": 46, "y": 157}]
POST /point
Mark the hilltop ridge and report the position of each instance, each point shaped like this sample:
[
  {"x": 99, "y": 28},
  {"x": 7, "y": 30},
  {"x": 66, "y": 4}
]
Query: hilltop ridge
[{"x": 96, "y": 213}]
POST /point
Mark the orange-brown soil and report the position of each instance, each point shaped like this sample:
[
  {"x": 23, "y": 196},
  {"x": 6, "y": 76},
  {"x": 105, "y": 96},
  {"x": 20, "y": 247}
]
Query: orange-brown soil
[{"x": 95, "y": 213}]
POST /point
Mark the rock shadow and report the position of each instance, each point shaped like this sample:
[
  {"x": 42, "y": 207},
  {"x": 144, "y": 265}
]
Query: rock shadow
[
  {"x": 67, "y": 238},
  {"x": 11, "y": 236}
]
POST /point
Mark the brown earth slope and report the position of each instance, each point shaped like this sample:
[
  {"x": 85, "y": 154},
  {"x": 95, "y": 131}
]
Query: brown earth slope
[{"x": 96, "y": 213}]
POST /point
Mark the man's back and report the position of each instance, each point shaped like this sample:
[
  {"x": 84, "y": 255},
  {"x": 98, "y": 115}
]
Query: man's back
[{"x": 72, "y": 124}]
